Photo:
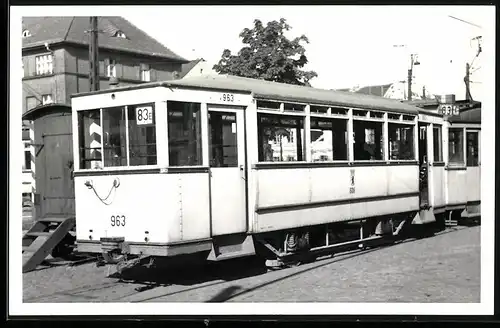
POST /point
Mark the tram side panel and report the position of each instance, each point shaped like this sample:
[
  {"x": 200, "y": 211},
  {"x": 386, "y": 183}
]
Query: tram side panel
[
  {"x": 473, "y": 180},
  {"x": 336, "y": 194},
  {"x": 437, "y": 175},
  {"x": 456, "y": 186},
  {"x": 142, "y": 208}
]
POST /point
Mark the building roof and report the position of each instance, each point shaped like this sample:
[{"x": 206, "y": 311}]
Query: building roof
[
  {"x": 53, "y": 30},
  {"x": 43, "y": 110},
  {"x": 374, "y": 90},
  {"x": 279, "y": 91},
  {"x": 187, "y": 67}
]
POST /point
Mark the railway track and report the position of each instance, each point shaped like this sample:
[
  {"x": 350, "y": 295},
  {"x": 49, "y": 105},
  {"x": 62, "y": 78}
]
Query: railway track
[{"x": 150, "y": 285}]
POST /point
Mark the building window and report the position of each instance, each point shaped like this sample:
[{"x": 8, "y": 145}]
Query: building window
[
  {"x": 145, "y": 73},
  {"x": 111, "y": 68},
  {"x": 401, "y": 146},
  {"x": 472, "y": 148},
  {"x": 456, "y": 146},
  {"x": 368, "y": 140},
  {"x": 438, "y": 143},
  {"x": 120, "y": 34},
  {"x": 31, "y": 102},
  {"x": 47, "y": 99},
  {"x": 26, "y": 33},
  {"x": 142, "y": 135},
  {"x": 184, "y": 133},
  {"x": 44, "y": 64},
  {"x": 280, "y": 138},
  {"x": 27, "y": 160},
  {"x": 328, "y": 139}
]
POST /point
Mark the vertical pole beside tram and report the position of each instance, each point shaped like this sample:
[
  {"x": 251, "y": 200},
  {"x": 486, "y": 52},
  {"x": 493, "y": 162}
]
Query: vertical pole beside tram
[{"x": 95, "y": 129}]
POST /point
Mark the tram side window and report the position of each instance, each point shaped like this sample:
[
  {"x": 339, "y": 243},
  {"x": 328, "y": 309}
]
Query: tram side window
[
  {"x": 401, "y": 146},
  {"x": 456, "y": 146},
  {"x": 184, "y": 133},
  {"x": 328, "y": 139},
  {"x": 115, "y": 151},
  {"x": 368, "y": 140},
  {"x": 438, "y": 144},
  {"x": 281, "y": 138},
  {"x": 90, "y": 138},
  {"x": 472, "y": 149},
  {"x": 142, "y": 135}
]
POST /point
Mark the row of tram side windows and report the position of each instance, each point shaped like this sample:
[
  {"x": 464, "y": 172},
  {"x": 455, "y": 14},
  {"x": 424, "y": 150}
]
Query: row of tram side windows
[
  {"x": 437, "y": 143},
  {"x": 111, "y": 137},
  {"x": 472, "y": 148},
  {"x": 401, "y": 143},
  {"x": 328, "y": 139},
  {"x": 456, "y": 146},
  {"x": 184, "y": 133},
  {"x": 368, "y": 140},
  {"x": 281, "y": 138}
]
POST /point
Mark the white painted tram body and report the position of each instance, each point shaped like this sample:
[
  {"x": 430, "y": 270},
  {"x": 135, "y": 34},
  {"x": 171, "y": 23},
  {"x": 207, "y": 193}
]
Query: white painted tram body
[{"x": 216, "y": 165}]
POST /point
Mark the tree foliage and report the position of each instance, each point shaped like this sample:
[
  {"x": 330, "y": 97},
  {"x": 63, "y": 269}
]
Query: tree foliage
[{"x": 268, "y": 54}]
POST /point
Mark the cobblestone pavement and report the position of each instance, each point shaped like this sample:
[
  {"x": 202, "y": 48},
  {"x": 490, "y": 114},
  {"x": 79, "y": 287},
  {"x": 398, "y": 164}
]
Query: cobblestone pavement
[{"x": 442, "y": 268}]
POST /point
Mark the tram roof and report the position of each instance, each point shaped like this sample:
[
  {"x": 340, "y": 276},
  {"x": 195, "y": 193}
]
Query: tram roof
[
  {"x": 467, "y": 116},
  {"x": 280, "y": 91}
]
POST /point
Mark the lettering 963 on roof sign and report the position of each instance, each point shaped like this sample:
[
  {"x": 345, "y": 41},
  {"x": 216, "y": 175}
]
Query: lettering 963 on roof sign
[{"x": 144, "y": 115}]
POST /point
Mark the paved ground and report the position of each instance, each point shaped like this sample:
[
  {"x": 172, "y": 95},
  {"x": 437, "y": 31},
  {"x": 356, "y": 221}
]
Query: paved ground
[{"x": 443, "y": 268}]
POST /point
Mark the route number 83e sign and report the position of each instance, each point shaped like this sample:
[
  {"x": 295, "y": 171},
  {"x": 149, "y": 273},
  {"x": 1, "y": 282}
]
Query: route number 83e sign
[{"x": 144, "y": 115}]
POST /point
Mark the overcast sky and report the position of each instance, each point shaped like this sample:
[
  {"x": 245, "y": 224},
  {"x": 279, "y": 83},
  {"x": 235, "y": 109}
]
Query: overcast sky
[{"x": 348, "y": 45}]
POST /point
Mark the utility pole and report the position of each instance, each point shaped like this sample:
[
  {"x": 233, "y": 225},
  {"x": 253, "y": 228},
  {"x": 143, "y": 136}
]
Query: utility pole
[
  {"x": 410, "y": 74},
  {"x": 468, "y": 96},
  {"x": 93, "y": 55}
]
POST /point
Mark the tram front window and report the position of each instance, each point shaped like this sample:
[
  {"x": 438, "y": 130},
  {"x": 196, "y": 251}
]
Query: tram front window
[
  {"x": 115, "y": 152},
  {"x": 184, "y": 133},
  {"x": 472, "y": 149},
  {"x": 90, "y": 135},
  {"x": 142, "y": 135}
]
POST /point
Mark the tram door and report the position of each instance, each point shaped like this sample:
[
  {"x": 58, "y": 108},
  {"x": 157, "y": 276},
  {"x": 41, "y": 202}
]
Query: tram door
[
  {"x": 226, "y": 132},
  {"x": 423, "y": 159}
]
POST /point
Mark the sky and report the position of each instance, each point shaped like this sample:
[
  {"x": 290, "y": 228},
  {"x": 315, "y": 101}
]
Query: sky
[{"x": 348, "y": 45}]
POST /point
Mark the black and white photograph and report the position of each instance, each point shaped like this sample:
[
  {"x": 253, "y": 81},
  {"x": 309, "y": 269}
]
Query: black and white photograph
[{"x": 293, "y": 160}]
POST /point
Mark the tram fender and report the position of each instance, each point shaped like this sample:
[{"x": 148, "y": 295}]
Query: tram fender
[{"x": 424, "y": 216}]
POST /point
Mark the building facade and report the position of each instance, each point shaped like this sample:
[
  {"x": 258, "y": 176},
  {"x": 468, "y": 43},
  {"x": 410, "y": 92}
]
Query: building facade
[{"x": 55, "y": 60}]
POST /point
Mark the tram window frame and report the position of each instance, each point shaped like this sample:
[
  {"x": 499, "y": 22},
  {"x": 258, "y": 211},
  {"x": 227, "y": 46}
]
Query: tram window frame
[
  {"x": 136, "y": 132},
  {"x": 437, "y": 139},
  {"x": 338, "y": 127},
  {"x": 394, "y": 129},
  {"x": 280, "y": 121},
  {"x": 223, "y": 154},
  {"x": 194, "y": 155},
  {"x": 87, "y": 161},
  {"x": 456, "y": 146},
  {"x": 473, "y": 158},
  {"x": 363, "y": 126}
]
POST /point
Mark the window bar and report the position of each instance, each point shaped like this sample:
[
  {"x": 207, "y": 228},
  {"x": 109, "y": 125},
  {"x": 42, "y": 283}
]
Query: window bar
[
  {"x": 464, "y": 145},
  {"x": 307, "y": 134},
  {"x": 385, "y": 135},
  {"x": 126, "y": 137},
  {"x": 102, "y": 137},
  {"x": 350, "y": 135},
  {"x": 205, "y": 135}
]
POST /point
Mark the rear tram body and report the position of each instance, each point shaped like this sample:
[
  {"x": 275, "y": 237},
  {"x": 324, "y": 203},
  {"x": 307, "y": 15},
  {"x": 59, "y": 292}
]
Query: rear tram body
[{"x": 226, "y": 166}]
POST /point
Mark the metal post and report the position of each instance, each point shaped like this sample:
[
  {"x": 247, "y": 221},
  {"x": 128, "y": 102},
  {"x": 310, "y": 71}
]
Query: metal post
[
  {"x": 467, "y": 82},
  {"x": 93, "y": 55},
  {"x": 410, "y": 73}
]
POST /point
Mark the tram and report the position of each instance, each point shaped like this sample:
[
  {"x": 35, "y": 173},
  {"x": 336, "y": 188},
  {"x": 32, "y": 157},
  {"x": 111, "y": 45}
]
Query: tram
[{"x": 223, "y": 167}]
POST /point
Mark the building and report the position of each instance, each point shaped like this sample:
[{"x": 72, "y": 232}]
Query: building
[
  {"x": 397, "y": 90},
  {"x": 55, "y": 53},
  {"x": 196, "y": 68}
]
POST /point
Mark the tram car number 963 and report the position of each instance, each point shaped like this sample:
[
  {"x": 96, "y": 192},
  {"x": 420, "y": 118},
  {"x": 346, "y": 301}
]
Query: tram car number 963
[{"x": 118, "y": 220}]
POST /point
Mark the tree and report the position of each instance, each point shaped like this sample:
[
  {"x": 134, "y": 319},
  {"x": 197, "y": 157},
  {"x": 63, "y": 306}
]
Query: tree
[{"x": 269, "y": 55}]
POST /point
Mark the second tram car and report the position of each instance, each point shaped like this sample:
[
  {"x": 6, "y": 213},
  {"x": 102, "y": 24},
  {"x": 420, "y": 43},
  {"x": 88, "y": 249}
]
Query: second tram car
[{"x": 224, "y": 167}]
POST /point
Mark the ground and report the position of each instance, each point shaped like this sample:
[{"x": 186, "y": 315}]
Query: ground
[{"x": 442, "y": 268}]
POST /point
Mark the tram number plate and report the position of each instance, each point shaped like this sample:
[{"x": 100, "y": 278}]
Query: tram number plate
[
  {"x": 118, "y": 220},
  {"x": 144, "y": 115},
  {"x": 227, "y": 97}
]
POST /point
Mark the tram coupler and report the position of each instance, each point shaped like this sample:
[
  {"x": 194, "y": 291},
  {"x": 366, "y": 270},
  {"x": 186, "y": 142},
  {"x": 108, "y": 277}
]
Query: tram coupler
[{"x": 125, "y": 263}]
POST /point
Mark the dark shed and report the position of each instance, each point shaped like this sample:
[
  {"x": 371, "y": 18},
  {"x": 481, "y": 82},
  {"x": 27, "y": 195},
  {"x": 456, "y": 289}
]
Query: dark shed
[{"x": 55, "y": 193}]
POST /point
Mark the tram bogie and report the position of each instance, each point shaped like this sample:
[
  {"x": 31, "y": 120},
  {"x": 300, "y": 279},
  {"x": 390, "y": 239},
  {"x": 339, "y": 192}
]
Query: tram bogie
[{"x": 229, "y": 167}]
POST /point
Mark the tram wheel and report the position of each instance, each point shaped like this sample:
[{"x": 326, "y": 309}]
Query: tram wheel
[{"x": 112, "y": 257}]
